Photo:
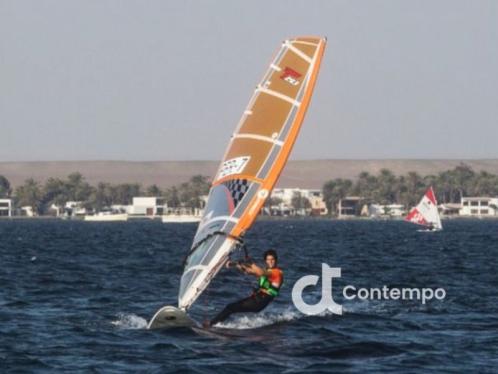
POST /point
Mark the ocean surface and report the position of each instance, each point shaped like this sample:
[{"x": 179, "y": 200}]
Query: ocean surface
[{"x": 76, "y": 296}]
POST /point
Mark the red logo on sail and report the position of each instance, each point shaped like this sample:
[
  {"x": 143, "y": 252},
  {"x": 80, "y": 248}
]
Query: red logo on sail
[
  {"x": 290, "y": 76},
  {"x": 415, "y": 217}
]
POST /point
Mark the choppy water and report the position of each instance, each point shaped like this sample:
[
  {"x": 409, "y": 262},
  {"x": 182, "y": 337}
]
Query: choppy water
[{"x": 76, "y": 296}]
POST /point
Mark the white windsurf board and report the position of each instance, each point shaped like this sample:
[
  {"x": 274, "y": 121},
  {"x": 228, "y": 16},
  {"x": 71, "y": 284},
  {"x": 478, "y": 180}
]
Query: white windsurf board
[{"x": 169, "y": 317}]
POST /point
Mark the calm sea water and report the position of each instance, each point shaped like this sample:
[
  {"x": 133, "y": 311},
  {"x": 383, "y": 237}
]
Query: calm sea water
[{"x": 76, "y": 296}]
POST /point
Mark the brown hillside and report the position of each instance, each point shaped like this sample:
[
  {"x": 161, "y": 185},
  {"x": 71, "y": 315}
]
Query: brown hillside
[{"x": 305, "y": 174}]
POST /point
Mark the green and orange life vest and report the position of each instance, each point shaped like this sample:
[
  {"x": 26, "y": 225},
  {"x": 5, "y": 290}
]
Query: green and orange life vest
[{"x": 267, "y": 282}]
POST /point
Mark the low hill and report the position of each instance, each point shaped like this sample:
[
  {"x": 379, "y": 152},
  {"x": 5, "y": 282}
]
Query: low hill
[{"x": 304, "y": 173}]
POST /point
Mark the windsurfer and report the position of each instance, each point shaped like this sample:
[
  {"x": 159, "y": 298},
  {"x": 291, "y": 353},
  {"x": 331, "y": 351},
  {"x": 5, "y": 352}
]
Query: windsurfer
[{"x": 270, "y": 280}]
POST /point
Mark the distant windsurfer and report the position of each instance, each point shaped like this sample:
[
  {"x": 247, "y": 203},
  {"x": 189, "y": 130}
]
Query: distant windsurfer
[{"x": 269, "y": 282}]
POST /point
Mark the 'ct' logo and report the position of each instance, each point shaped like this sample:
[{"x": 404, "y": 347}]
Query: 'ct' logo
[{"x": 326, "y": 302}]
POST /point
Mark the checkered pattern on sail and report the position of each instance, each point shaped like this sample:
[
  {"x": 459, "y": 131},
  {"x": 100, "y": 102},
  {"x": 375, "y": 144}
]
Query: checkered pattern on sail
[{"x": 237, "y": 188}]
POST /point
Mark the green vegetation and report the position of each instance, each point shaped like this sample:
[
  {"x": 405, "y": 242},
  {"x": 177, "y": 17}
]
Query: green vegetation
[
  {"x": 383, "y": 188},
  {"x": 300, "y": 202},
  {"x": 386, "y": 188},
  {"x": 30, "y": 194},
  {"x": 58, "y": 192},
  {"x": 4, "y": 187},
  {"x": 335, "y": 190},
  {"x": 191, "y": 191}
]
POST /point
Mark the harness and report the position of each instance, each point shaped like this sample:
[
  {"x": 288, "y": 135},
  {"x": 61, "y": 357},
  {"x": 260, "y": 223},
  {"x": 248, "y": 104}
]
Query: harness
[{"x": 266, "y": 286}]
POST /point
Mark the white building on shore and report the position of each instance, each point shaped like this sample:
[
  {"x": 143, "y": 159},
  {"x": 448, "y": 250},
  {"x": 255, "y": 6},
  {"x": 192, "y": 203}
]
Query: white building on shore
[
  {"x": 146, "y": 206},
  {"x": 5, "y": 207},
  {"x": 70, "y": 209},
  {"x": 479, "y": 207},
  {"x": 349, "y": 206},
  {"x": 317, "y": 206},
  {"x": 449, "y": 209},
  {"x": 27, "y": 211},
  {"x": 389, "y": 210}
]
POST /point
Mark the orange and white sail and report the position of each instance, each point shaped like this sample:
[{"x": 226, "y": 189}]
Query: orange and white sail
[
  {"x": 426, "y": 213},
  {"x": 253, "y": 161}
]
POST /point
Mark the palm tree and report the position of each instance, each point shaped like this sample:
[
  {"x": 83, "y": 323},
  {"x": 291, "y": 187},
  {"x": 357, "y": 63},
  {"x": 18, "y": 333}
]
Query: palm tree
[
  {"x": 365, "y": 185},
  {"x": 414, "y": 188},
  {"x": 30, "y": 194},
  {"x": 101, "y": 197},
  {"x": 463, "y": 177},
  {"x": 299, "y": 202},
  {"x": 124, "y": 193},
  {"x": 171, "y": 197},
  {"x": 153, "y": 191},
  {"x": 5, "y": 189},
  {"x": 190, "y": 192},
  {"x": 79, "y": 190},
  {"x": 334, "y": 191},
  {"x": 55, "y": 192},
  {"x": 387, "y": 185},
  {"x": 486, "y": 184}
]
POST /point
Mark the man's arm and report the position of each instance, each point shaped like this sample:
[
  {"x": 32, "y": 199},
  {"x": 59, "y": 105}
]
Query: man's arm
[
  {"x": 251, "y": 268},
  {"x": 254, "y": 269}
]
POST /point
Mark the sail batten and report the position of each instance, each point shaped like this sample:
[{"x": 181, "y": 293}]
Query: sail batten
[
  {"x": 253, "y": 161},
  {"x": 298, "y": 52},
  {"x": 261, "y": 138},
  {"x": 279, "y": 95}
]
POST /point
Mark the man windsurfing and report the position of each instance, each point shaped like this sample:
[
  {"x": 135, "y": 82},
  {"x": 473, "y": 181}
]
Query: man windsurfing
[{"x": 269, "y": 282}]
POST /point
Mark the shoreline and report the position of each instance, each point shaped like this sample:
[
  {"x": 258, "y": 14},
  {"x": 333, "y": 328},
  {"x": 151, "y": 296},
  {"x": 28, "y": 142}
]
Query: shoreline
[{"x": 260, "y": 218}]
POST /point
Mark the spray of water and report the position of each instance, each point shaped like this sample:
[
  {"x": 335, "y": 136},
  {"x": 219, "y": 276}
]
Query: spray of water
[
  {"x": 253, "y": 321},
  {"x": 130, "y": 322}
]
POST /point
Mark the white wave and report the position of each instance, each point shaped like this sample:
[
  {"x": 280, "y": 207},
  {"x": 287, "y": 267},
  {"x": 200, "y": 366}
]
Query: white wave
[
  {"x": 130, "y": 322},
  {"x": 256, "y": 320}
]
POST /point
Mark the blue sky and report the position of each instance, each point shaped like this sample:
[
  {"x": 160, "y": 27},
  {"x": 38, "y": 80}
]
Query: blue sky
[{"x": 168, "y": 80}]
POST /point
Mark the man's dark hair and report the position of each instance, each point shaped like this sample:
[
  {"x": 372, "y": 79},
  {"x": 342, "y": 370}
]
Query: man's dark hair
[{"x": 270, "y": 252}]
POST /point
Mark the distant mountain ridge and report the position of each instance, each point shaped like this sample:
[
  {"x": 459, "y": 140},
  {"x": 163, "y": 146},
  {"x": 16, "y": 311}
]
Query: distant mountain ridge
[{"x": 297, "y": 173}]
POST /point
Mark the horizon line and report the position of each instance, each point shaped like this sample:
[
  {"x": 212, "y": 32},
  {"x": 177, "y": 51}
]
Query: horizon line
[{"x": 291, "y": 160}]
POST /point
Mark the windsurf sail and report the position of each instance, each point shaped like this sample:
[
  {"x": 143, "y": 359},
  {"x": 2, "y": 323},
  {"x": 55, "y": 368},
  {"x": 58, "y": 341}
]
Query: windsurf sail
[
  {"x": 426, "y": 213},
  {"x": 256, "y": 154}
]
